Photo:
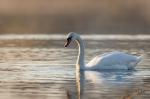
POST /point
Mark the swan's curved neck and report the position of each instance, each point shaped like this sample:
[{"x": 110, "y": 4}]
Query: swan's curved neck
[{"x": 80, "y": 60}]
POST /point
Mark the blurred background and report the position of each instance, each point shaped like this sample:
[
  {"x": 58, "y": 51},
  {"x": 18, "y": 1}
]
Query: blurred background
[{"x": 85, "y": 16}]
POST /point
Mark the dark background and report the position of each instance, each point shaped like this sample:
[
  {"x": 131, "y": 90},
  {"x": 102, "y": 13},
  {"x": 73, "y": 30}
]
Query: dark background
[{"x": 84, "y": 16}]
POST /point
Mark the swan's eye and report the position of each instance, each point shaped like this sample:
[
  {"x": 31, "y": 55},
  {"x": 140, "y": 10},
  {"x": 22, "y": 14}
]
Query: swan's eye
[{"x": 69, "y": 38}]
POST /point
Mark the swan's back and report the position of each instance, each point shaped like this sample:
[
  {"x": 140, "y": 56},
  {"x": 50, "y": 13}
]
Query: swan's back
[{"x": 114, "y": 60}]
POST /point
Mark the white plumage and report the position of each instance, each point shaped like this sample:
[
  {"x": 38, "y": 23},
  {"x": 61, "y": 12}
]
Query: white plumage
[
  {"x": 114, "y": 60},
  {"x": 110, "y": 60}
]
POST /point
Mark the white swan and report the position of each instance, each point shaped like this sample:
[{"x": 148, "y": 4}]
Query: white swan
[{"x": 111, "y": 60}]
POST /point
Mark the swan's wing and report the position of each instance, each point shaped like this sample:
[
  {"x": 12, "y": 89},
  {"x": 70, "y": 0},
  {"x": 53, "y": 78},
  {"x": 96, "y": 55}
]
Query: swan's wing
[
  {"x": 98, "y": 59},
  {"x": 114, "y": 58}
]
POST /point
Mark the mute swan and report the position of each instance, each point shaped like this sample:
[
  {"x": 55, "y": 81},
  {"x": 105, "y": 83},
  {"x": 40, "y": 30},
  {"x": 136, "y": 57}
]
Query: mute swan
[{"x": 111, "y": 60}]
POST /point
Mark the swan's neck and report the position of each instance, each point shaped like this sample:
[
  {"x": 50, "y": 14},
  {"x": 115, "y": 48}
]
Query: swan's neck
[{"x": 80, "y": 60}]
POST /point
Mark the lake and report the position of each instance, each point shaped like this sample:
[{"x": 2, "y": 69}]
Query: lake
[{"x": 39, "y": 67}]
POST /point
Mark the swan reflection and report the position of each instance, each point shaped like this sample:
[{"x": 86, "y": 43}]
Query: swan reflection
[
  {"x": 97, "y": 84},
  {"x": 109, "y": 77}
]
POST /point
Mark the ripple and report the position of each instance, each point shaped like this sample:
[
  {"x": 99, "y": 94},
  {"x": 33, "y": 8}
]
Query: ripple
[{"x": 48, "y": 72}]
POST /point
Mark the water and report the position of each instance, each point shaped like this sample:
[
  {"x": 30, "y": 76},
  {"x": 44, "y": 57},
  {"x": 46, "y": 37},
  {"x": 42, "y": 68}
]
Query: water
[{"x": 39, "y": 67}]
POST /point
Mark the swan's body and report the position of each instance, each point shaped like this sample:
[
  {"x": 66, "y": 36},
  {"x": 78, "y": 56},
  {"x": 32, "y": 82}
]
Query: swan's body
[
  {"x": 114, "y": 60},
  {"x": 111, "y": 60}
]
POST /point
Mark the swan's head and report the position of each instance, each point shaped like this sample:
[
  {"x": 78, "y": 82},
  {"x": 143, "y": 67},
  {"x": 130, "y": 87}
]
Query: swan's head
[{"x": 72, "y": 36}]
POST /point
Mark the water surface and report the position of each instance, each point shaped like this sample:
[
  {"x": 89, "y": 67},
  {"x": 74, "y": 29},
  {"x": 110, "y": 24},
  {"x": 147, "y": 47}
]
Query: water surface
[{"x": 39, "y": 67}]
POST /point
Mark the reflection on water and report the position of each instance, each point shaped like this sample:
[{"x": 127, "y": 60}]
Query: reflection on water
[
  {"x": 110, "y": 85},
  {"x": 43, "y": 69}
]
